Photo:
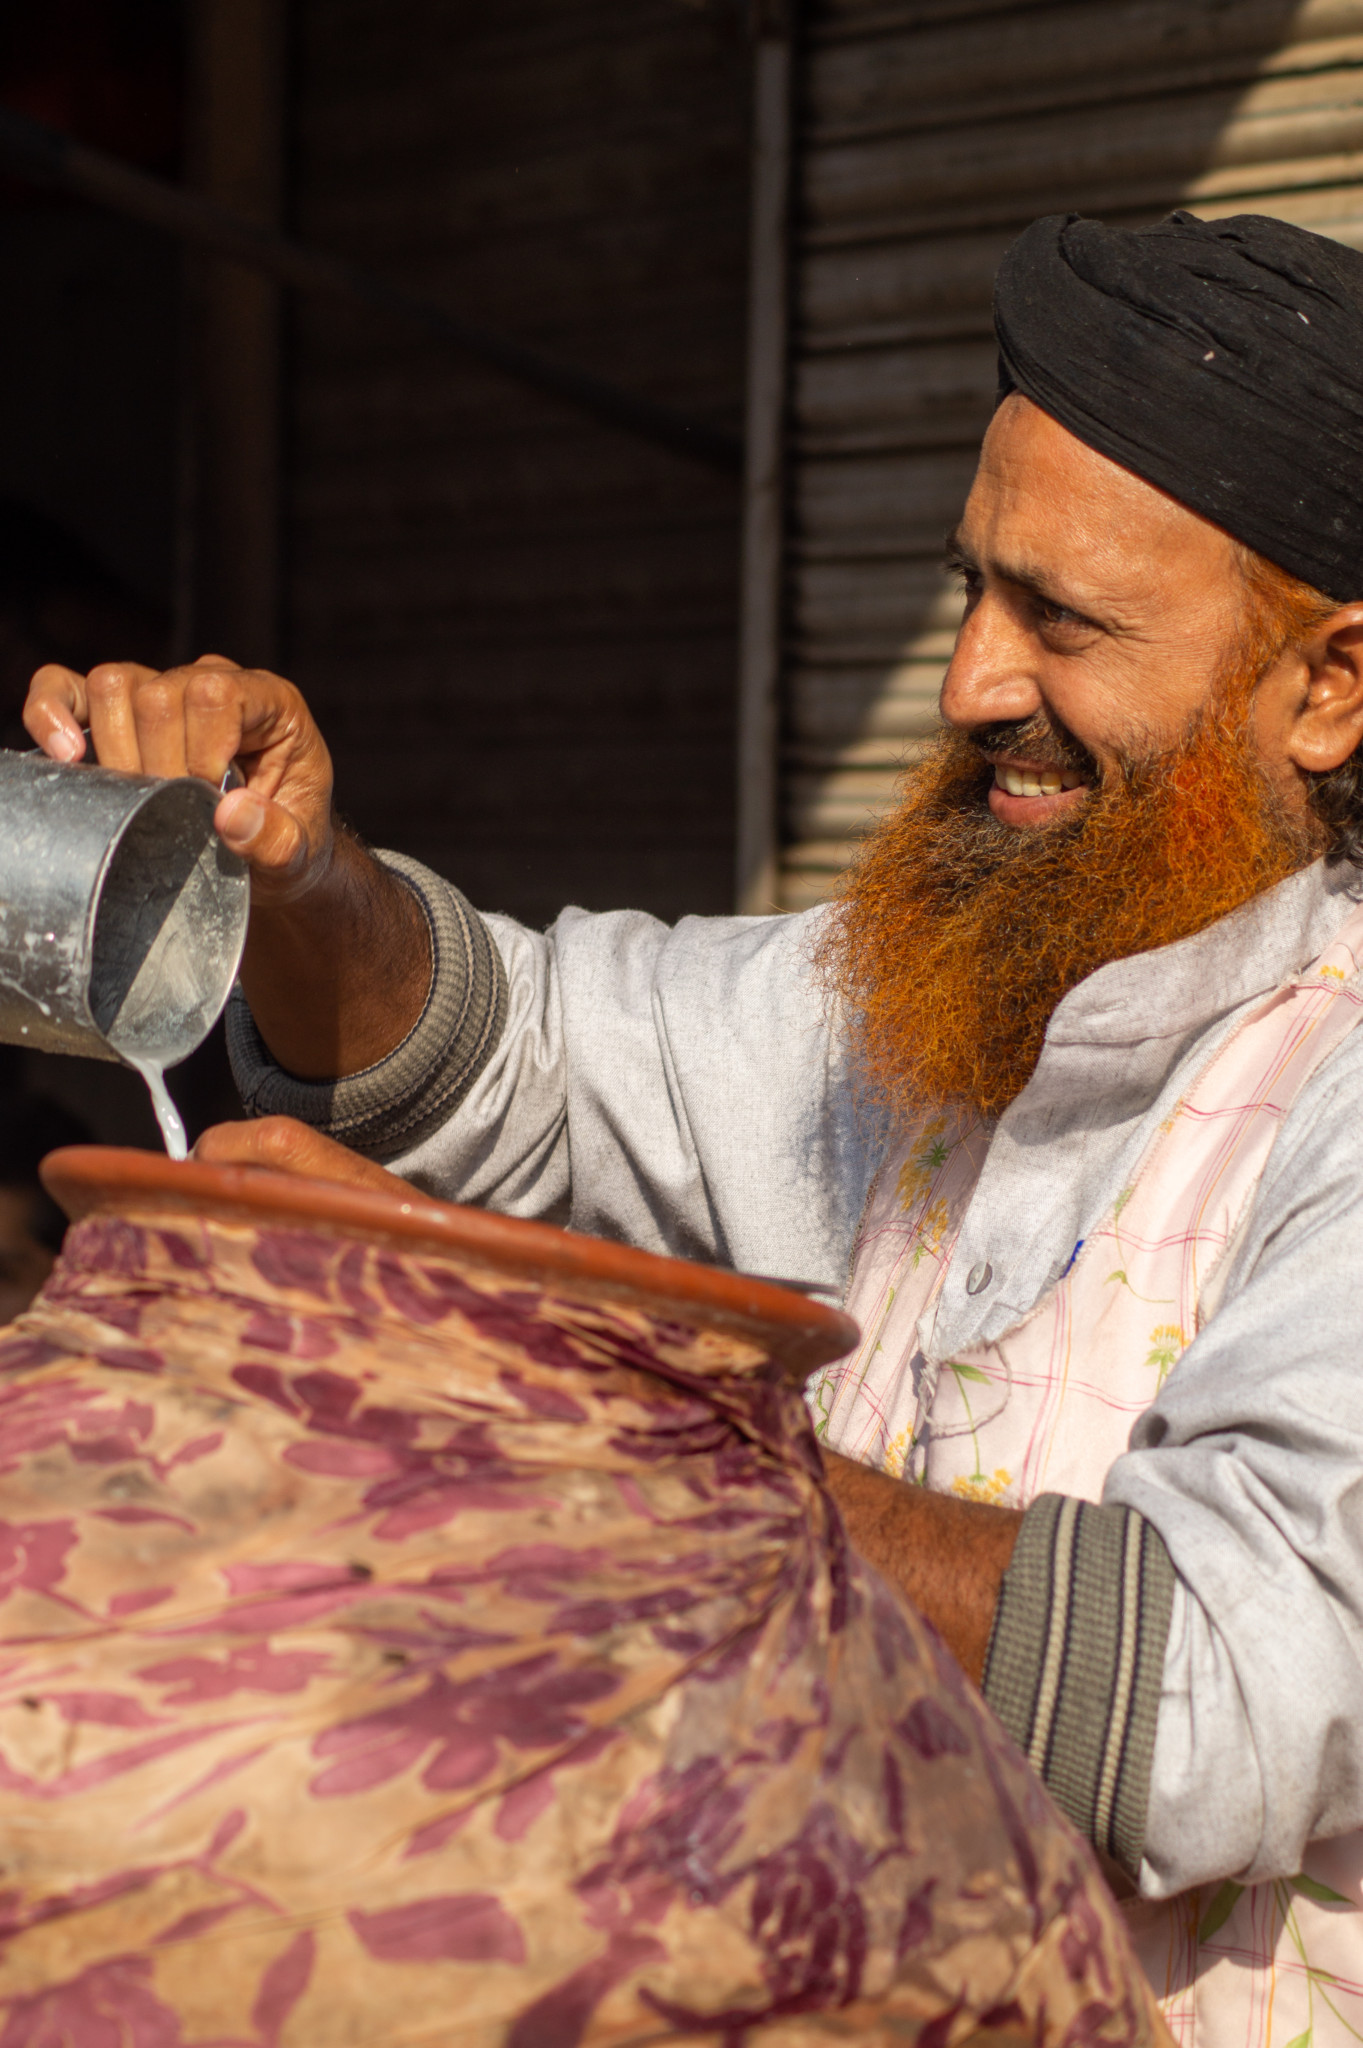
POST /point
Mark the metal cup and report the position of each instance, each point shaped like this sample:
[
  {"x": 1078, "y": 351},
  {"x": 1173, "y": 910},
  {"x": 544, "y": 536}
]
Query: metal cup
[{"x": 122, "y": 914}]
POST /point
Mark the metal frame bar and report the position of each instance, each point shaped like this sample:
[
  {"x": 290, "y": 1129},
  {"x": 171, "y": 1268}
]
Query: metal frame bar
[{"x": 764, "y": 474}]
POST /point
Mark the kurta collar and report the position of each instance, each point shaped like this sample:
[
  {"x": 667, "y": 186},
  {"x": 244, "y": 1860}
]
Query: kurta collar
[{"x": 1177, "y": 989}]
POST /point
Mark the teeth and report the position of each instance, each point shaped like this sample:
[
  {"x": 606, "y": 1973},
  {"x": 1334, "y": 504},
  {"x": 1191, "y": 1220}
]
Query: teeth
[{"x": 1038, "y": 781}]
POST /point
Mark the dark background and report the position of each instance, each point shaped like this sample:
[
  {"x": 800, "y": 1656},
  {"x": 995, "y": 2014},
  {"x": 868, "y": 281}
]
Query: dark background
[{"x": 517, "y": 627}]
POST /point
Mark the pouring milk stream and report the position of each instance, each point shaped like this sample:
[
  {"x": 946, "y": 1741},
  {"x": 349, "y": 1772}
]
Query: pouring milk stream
[{"x": 167, "y": 1115}]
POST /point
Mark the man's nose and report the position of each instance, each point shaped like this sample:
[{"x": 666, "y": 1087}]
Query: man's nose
[{"x": 992, "y": 674}]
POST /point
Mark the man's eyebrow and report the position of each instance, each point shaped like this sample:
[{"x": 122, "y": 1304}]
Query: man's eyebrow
[
  {"x": 955, "y": 554},
  {"x": 958, "y": 557}
]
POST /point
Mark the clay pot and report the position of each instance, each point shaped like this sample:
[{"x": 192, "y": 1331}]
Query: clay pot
[{"x": 418, "y": 1626}]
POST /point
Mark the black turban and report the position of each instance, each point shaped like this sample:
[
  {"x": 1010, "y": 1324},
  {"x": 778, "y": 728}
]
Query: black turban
[{"x": 1221, "y": 360}]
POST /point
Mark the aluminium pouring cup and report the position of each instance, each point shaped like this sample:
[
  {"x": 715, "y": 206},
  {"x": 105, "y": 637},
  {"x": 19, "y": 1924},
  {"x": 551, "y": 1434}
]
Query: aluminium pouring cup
[{"x": 122, "y": 914}]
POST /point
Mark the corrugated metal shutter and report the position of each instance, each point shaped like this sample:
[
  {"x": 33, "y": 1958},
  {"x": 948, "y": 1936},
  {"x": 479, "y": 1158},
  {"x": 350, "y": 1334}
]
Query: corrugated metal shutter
[{"x": 929, "y": 134}]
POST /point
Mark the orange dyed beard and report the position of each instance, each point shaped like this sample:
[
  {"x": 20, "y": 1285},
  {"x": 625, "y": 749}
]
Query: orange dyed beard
[{"x": 956, "y": 936}]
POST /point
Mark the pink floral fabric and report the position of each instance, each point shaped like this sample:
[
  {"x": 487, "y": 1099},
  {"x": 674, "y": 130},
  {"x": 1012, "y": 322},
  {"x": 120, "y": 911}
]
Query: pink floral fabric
[{"x": 392, "y": 1653}]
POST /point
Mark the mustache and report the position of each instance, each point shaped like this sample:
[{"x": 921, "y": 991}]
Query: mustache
[{"x": 1040, "y": 738}]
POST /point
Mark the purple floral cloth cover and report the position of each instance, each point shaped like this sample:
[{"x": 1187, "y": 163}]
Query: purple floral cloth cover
[{"x": 391, "y": 1652}]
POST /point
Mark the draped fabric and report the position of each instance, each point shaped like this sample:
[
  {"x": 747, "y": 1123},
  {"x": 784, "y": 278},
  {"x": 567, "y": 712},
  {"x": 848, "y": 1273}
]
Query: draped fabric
[
  {"x": 1220, "y": 360},
  {"x": 391, "y": 1652}
]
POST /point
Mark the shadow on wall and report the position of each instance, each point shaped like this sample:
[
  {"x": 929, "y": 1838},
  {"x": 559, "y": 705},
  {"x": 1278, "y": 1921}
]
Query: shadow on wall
[{"x": 926, "y": 149}]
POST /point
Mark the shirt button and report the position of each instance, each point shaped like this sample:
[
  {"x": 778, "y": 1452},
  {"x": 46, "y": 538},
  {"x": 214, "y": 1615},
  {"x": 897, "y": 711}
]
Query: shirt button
[{"x": 979, "y": 1277}]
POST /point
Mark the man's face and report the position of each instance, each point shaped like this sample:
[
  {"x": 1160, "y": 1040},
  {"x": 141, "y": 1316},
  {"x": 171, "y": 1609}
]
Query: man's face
[
  {"x": 1098, "y": 609},
  {"x": 1110, "y": 685}
]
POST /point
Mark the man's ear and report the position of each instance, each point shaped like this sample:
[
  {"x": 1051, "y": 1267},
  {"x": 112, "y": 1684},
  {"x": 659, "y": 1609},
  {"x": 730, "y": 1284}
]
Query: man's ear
[{"x": 1328, "y": 725}]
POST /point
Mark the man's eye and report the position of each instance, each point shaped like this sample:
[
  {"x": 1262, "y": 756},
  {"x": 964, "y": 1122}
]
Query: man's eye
[{"x": 1060, "y": 615}]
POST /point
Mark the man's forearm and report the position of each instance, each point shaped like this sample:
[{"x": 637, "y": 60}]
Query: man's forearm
[
  {"x": 337, "y": 977},
  {"x": 947, "y": 1556}
]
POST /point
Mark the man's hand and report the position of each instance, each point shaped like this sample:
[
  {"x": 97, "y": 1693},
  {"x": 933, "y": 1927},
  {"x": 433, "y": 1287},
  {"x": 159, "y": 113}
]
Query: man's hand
[
  {"x": 284, "y": 1145},
  {"x": 947, "y": 1556},
  {"x": 197, "y": 720},
  {"x": 338, "y": 958}
]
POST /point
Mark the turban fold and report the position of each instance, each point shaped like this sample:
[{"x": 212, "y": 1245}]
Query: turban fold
[{"x": 1220, "y": 360}]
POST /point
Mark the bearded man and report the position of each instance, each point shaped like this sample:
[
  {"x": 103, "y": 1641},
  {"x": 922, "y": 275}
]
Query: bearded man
[{"x": 1068, "y": 1075}]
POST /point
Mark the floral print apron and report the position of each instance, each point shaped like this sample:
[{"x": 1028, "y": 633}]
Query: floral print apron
[{"x": 1049, "y": 1406}]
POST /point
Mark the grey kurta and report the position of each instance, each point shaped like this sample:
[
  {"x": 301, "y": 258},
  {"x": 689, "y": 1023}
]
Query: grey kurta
[{"x": 688, "y": 1090}]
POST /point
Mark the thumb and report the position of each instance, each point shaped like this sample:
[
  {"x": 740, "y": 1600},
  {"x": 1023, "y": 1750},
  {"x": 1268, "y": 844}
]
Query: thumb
[
  {"x": 263, "y": 833},
  {"x": 286, "y": 1146}
]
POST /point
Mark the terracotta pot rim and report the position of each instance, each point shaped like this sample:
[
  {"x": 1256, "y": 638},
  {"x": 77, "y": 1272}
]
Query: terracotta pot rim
[{"x": 800, "y": 1333}]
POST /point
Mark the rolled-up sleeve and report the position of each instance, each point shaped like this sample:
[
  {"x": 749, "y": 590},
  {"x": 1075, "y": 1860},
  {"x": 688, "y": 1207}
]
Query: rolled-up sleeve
[
  {"x": 389, "y": 1107},
  {"x": 1077, "y": 1659}
]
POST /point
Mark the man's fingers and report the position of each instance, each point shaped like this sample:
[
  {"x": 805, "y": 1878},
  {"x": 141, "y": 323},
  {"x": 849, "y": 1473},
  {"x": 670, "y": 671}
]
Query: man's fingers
[
  {"x": 284, "y": 1145},
  {"x": 158, "y": 713},
  {"x": 262, "y": 832},
  {"x": 277, "y": 735},
  {"x": 196, "y": 720},
  {"x": 212, "y": 714},
  {"x": 109, "y": 692},
  {"x": 55, "y": 712},
  {"x": 192, "y": 720}
]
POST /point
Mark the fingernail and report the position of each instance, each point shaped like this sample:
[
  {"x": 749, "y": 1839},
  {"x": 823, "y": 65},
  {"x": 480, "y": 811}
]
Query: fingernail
[
  {"x": 244, "y": 820},
  {"x": 66, "y": 745}
]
